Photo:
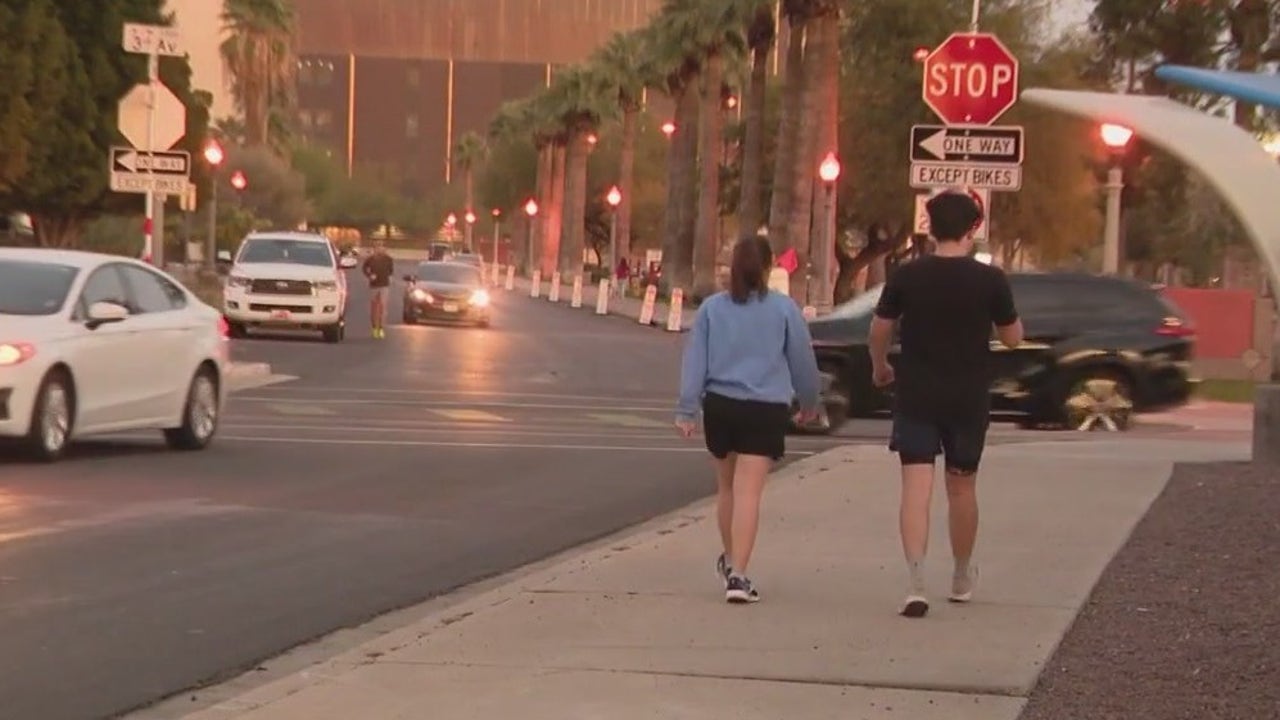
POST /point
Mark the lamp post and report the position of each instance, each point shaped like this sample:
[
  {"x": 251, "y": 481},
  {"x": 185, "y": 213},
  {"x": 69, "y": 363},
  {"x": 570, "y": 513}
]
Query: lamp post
[
  {"x": 1116, "y": 138},
  {"x": 214, "y": 156},
  {"x": 829, "y": 173},
  {"x": 470, "y": 219},
  {"x": 239, "y": 182},
  {"x": 451, "y": 226},
  {"x": 614, "y": 198},
  {"x": 668, "y": 129},
  {"x": 530, "y": 211},
  {"x": 497, "y": 225}
]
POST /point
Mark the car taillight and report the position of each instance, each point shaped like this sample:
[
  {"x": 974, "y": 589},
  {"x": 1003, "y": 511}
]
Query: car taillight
[
  {"x": 1175, "y": 327},
  {"x": 224, "y": 328},
  {"x": 16, "y": 353}
]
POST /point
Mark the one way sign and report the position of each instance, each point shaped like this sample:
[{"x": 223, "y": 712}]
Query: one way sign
[
  {"x": 161, "y": 163},
  {"x": 998, "y": 145}
]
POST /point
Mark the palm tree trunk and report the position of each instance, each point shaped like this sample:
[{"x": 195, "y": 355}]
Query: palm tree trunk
[
  {"x": 804, "y": 170},
  {"x": 826, "y": 54},
  {"x": 555, "y": 211},
  {"x": 749, "y": 206},
  {"x": 682, "y": 162},
  {"x": 711, "y": 148},
  {"x": 575, "y": 217},
  {"x": 626, "y": 180},
  {"x": 538, "y": 224},
  {"x": 785, "y": 150}
]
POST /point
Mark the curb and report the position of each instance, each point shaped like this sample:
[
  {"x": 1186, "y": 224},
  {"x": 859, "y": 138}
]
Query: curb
[{"x": 463, "y": 603}]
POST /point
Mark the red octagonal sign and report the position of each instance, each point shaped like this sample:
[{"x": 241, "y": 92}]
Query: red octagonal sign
[{"x": 971, "y": 79}]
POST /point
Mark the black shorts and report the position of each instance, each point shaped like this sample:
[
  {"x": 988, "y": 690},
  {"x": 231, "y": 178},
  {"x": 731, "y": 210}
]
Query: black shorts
[
  {"x": 745, "y": 427},
  {"x": 961, "y": 441}
]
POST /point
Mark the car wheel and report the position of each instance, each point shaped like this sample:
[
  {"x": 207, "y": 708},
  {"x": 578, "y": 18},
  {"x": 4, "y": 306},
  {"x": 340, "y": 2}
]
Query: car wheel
[
  {"x": 199, "y": 416},
  {"x": 52, "y": 419},
  {"x": 335, "y": 333},
  {"x": 1098, "y": 399}
]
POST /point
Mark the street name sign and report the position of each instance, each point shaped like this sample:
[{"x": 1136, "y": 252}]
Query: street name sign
[
  {"x": 970, "y": 79},
  {"x": 153, "y": 40},
  {"x": 966, "y": 144},
  {"x": 1004, "y": 178}
]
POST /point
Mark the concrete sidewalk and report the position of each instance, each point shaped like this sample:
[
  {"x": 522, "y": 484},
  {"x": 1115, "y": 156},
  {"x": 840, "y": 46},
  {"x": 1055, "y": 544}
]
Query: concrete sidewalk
[{"x": 638, "y": 628}]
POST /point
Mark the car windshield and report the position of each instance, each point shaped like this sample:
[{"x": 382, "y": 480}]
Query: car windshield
[
  {"x": 864, "y": 304},
  {"x": 450, "y": 274},
  {"x": 282, "y": 250},
  {"x": 34, "y": 288}
]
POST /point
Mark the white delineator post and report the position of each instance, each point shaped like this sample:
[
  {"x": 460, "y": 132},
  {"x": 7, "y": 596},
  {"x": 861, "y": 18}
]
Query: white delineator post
[
  {"x": 675, "y": 311},
  {"x": 602, "y": 298},
  {"x": 646, "y": 308},
  {"x": 511, "y": 278},
  {"x": 536, "y": 289},
  {"x": 576, "y": 299},
  {"x": 553, "y": 292}
]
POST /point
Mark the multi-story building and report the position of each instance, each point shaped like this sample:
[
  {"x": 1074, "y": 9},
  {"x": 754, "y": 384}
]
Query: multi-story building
[{"x": 392, "y": 84}]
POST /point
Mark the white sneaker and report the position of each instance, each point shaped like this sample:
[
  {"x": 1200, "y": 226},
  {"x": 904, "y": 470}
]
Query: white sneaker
[
  {"x": 915, "y": 606},
  {"x": 962, "y": 585}
]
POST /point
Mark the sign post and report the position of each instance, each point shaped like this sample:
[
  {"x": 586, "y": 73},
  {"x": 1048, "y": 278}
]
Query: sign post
[{"x": 152, "y": 41}]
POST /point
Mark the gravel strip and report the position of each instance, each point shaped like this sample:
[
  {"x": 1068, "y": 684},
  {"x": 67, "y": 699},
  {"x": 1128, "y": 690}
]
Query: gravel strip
[{"x": 1185, "y": 622}]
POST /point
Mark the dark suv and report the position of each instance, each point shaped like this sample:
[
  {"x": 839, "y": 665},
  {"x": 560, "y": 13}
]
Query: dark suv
[{"x": 1096, "y": 349}]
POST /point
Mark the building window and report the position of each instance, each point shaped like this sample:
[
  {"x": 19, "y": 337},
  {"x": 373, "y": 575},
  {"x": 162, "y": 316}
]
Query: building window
[
  {"x": 314, "y": 72},
  {"x": 411, "y": 127}
]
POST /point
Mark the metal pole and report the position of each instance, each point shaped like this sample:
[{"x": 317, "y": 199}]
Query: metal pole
[
  {"x": 211, "y": 242},
  {"x": 466, "y": 236},
  {"x": 497, "y": 225},
  {"x": 977, "y": 14},
  {"x": 827, "y": 249},
  {"x": 1111, "y": 240},
  {"x": 149, "y": 252},
  {"x": 528, "y": 253}
]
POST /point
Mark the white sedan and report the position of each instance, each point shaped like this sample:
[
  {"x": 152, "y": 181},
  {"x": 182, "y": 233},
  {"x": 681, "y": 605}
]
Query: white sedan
[{"x": 94, "y": 344}]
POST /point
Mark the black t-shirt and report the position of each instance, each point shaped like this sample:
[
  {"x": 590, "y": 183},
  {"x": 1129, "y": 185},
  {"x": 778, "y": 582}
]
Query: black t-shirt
[
  {"x": 946, "y": 307},
  {"x": 379, "y": 267}
]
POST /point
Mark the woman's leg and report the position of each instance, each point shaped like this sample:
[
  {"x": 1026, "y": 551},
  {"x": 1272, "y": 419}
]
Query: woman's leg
[
  {"x": 748, "y": 485},
  {"x": 724, "y": 500}
]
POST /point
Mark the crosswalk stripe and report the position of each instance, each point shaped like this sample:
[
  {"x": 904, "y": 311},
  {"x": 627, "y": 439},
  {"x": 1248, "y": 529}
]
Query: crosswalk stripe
[
  {"x": 633, "y": 421},
  {"x": 466, "y": 415},
  {"x": 300, "y": 409}
]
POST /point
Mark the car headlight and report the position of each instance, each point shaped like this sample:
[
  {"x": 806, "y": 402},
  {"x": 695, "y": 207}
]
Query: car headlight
[
  {"x": 16, "y": 353},
  {"x": 421, "y": 295},
  {"x": 238, "y": 281},
  {"x": 327, "y": 285},
  {"x": 480, "y": 298}
]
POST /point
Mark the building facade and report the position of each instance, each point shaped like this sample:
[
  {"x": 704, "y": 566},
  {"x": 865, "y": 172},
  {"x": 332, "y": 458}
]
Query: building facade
[{"x": 392, "y": 84}]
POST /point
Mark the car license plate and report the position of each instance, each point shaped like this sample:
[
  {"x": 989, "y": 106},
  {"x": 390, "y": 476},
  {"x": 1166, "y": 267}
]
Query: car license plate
[
  {"x": 281, "y": 314},
  {"x": 451, "y": 307}
]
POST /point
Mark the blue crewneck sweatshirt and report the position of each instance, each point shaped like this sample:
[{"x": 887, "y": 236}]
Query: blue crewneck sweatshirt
[{"x": 759, "y": 350}]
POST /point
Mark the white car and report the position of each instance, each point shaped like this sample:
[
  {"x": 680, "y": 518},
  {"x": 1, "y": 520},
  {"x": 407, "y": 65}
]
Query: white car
[
  {"x": 94, "y": 344},
  {"x": 287, "y": 281}
]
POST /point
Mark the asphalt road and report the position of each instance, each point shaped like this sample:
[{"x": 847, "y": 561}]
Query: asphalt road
[{"x": 388, "y": 472}]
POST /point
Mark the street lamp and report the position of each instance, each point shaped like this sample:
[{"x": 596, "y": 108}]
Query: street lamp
[
  {"x": 213, "y": 156},
  {"x": 668, "y": 129},
  {"x": 1117, "y": 139},
  {"x": 470, "y": 219},
  {"x": 530, "y": 211},
  {"x": 829, "y": 173},
  {"x": 614, "y": 198},
  {"x": 497, "y": 224}
]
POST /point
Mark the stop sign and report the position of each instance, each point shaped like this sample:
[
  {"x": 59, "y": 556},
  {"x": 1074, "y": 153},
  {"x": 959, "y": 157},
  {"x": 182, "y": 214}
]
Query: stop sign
[{"x": 970, "y": 79}]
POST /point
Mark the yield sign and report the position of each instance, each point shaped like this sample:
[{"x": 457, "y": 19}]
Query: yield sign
[{"x": 170, "y": 117}]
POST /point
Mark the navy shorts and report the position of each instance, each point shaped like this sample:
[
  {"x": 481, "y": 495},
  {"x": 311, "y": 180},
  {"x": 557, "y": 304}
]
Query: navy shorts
[
  {"x": 745, "y": 427},
  {"x": 960, "y": 442}
]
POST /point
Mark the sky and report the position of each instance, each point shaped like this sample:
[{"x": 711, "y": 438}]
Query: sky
[{"x": 1067, "y": 13}]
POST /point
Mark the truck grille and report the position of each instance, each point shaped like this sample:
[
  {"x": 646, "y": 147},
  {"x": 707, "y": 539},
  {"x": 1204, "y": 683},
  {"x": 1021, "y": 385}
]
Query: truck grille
[
  {"x": 281, "y": 287},
  {"x": 265, "y": 307}
]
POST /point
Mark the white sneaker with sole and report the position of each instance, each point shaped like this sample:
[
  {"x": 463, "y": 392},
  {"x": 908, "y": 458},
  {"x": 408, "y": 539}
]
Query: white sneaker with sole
[{"x": 962, "y": 585}]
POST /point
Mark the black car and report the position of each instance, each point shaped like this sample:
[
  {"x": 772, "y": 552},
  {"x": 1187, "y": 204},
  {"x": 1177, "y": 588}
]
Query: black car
[
  {"x": 448, "y": 292},
  {"x": 1097, "y": 349}
]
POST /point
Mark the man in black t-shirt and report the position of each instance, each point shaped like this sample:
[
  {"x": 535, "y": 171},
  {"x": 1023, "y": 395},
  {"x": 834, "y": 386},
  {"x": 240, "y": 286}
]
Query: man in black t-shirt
[
  {"x": 944, "y": 307},
  {"x": 378, "y": 268}
]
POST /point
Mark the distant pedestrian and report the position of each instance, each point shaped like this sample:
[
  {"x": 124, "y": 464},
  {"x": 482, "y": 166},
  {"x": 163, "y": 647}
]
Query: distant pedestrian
[
  {"x": 945, "y": 306},
  {"x": 378, "y": 268},
  {"x": 748, "y": 356},
  {"x": 622, "y": 275}
]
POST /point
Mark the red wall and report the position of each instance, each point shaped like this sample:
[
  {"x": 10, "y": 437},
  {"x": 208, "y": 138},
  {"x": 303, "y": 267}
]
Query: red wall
[{"x": 1224, "y": 319}]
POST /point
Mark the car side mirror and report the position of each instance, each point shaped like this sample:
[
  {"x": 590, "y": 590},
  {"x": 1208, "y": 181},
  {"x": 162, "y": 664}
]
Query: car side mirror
[{"x": 102, "y": 313}]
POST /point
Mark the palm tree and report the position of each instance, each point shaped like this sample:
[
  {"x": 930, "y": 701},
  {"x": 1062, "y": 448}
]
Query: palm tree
[
  {"x": 822, "y": 67},
  {"x": 784, "y": 159},
  {"x": 622, "y": 65},
  {"x": 673, "y": 49},
  {"x": 529, "y": 119},
  {"x": 580, "y": 99},
  {"x": 761, "y": 34},
  {"x": 260, "y": 57},
  {"x": 468, "y": 152}
]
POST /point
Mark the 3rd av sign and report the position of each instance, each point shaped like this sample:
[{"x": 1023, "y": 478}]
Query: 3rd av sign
[{"x": 970, "y": 79}]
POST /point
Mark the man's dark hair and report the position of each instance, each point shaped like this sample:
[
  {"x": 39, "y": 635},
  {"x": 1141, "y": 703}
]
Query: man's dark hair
[
  {"x": 952, "y": 215},
  {"x": 748, "y": 271}
]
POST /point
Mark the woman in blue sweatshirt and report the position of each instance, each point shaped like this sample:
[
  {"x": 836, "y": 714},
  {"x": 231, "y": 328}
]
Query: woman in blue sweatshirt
[{"x": 748, "y": 356}]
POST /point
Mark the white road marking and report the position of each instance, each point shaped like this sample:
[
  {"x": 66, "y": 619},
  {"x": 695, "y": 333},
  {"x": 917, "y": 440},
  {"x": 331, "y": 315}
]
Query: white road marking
[
  {"x": 462, "y": 393},
  {"x": 467, "y": 415},
  {"x": 448, "y": 403},
  {"x": 627, "y": 420},
  {"x": 472, "y": 445},
  {"x": 301, "y": 409}
]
